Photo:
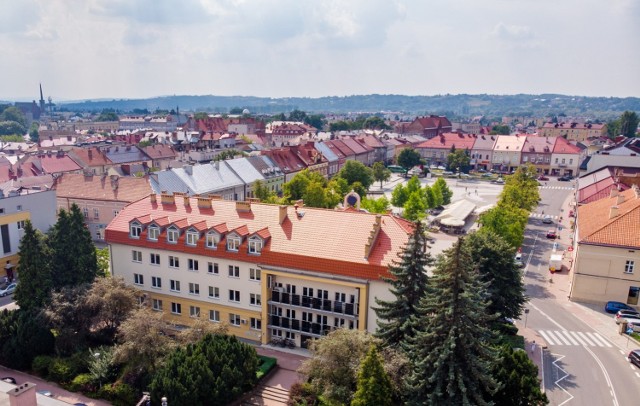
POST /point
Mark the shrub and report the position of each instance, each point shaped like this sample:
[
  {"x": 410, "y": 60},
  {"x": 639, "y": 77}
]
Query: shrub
[
  {"x": 302, "y": 394},
  {"x": 40, "y": 365},
  {"x": 82, "y": 383},
  {"x": 61, "y": 370},
  {"x": 265, "y": 364},
  {"x": 119, "y": 394}
]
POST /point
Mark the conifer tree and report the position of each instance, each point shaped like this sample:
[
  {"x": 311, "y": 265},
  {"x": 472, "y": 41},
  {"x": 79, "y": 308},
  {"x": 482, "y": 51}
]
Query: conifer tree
[
  {"x": 451, "y": 355},
  {"x": 519, "y": 377},
  {"x": 374, "y": 386},
  {"x": 32, "y": 293},
  {"x": 397, "y": 318}
]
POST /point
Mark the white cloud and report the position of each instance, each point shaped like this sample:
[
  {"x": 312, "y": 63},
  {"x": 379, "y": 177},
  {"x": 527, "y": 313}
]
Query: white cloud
[{"x": 512, "y": 32}]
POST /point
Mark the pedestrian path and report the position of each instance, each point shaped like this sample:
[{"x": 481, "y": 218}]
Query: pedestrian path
[
  {"x": 556, "y": 187},
  {"x": 563, "y": 337},
  {"x": 540, "y": 215}
]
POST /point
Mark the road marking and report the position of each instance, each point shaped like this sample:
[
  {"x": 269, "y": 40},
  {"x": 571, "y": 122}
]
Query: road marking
[
  {"x": 546, "y": 337},
  {"x": 597, "y": 337},
  {"x": 586, "y": 338},
  {"x": 566, "y": 333},
  {"x": 564, "y": 337},
  {"x": 606, "y": 376},
  {"x": 621, "y": 352},
  {"x": 557, "y": 383},
  {"x": 545, "y": 315},
  {"x": 579, "y": 338},
  {"x": 632, "y": 368},
  {"x": 552, "y": 338},
  {"x": 564, "y": 340},
  {"x": 638, "y": 374}
]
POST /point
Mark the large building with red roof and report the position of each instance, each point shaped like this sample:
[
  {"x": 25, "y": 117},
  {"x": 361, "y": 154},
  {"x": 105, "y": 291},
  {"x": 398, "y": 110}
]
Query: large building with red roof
[
  {"x": 436, "y": 150},
  {"x": 266, "y": 270}
]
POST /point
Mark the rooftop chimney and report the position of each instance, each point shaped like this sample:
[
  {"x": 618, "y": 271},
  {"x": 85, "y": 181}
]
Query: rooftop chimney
[
  {"x": 23, "y": 395},
  {"x": 620, "y": 199},
  {"x": 244, "y": 207},
  {"x": 282, "y": 213},
  {"x": 152, "y": 198},
  {"x": 187, "y": 200},
  {"x": 613, "y": 212},
  {"x": 188, "y": 169},
  {"x": 204, "y": 202},
  {"x": 166, "y": 198},
  {"x": 373, "y": 235},
  {"x": 613, "y": 193}
]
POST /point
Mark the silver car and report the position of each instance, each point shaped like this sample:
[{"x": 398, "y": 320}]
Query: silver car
[{"x": 8, "y": 290}]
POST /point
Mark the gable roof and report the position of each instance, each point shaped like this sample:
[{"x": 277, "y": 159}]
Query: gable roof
[
  {"x": 106, "y": 188},
  {"x": 89, "y": 157},
  {"x": 159, "y": 151},
  {"x": 484, "y": 142},
  {"x": 538, "y": 145},
  {"x": 448, "y": 140},
  {"x": 565, "y": 147},
  {"x": 509, "y": 143},
  {"x": 207, "y": 178}
]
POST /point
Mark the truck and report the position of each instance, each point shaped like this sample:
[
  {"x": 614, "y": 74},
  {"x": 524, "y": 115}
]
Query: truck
[{"x": 555, "y": 263}]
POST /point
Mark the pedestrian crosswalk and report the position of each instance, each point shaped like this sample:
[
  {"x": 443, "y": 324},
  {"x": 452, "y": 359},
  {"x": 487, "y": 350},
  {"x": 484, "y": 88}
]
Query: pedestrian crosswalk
[
  {"x": 556, "y": 187},
  {"x": 564, "y": 337},
  {"x": 540, "y": 215}
]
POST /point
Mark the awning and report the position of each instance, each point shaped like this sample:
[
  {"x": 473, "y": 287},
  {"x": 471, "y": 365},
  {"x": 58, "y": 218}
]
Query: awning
[{"x": 453, "y": 222}]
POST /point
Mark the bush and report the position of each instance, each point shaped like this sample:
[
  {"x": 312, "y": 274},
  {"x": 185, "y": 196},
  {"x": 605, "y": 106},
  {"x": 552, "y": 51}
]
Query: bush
[
  {"x": 265, "y": 364},
  {"x": 61, "y": 370},
  {"x": 40, "y": 365},
  {"x": 82, "y": 383},
  {"x": 119, "y": 394},
  {"x": 302, "y": 394}
]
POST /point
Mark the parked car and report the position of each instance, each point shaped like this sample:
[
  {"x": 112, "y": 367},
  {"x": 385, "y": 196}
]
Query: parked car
[
  {"x": 542, "y": 177},
  {"x": 551, "y": 233},
  {"x": 447, "y": 173},
  {"x": 442, "y": 168},
  {"x": 623, "y": 313},
  {"x": 487, "y": 175},
  {"x": 499, "y": 181},
  {"x": 565, "y": 178},
  {"x": 8, "y": 290},
  {"x": 547, "y": 219},
  {"x": 614, "y": 307},
  {"x": 465, "y": 176},
  {"x": 10, "y": 379},
  {"x": 634, "y": 357},
  {"x": 629, "y": 318}
]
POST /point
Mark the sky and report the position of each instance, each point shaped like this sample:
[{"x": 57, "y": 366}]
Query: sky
[{"x": 90, "y": 49}]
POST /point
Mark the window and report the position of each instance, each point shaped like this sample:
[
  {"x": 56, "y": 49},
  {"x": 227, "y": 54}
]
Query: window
[
  {"x": 192, "y": 264},
  {"x": 212, "y": 240},
  {"x": 233, "y": 244},
  {"x": 174, "y": 285},
  {"x": 176, "y": 308},
  {"x": 153, "y": 233},
  {"x": 341, "y": 297},
  {"x": 138, "y": 279},
  {"x": 214, "y": 315},
  {"x": 628, "y": 267},
  {"x": 115, "y": 213},
  {"x": 85, "y": 212},
  {"x": 254, "y": 274},
  {"x": 154, "y": 259},
  {"x": 571, "y": 161},
  {"x": 214, "y": 292},
  {"x": 172, "y": 235},
  {"x": 194, "y": 311},
  {"x": 156, "y": 304},
  {"x": 556, "y": 160},
  {"x": 255, "y": 299},
  {"x": 307, "y": 292},
  {"x": 192, "y": 237},
  {"x": 174, "y": 262},
  {"x": 256, "y": 324},
  {"x": 194, "y": 288},
  {"x": 136, "y": 256},
  {"x": 255, "y": 245},
  {"x": 632, "y": 297},
  {"x": 234, "y": 271},
  {"x": 20, "y": 224},
  {"x": 96, "y": 214},
  {"x": 134, "y": 230},
  {"x": 19, "y": 207},
  {"x": 234, "y": 295},
  {"x": 156, "y": 282},
  {"x": 212, "y": 268},
  {"x": 234, "y": 319}
]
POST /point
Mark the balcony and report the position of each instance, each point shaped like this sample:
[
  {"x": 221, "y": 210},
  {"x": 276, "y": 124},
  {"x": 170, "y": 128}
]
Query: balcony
[
  {"x": 331, "y": 307},
  {"x": 298, "y": 326}
]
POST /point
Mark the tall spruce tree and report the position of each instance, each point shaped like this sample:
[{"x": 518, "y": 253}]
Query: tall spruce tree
[
  {"x": 451, "y": 356},
  {"x": 74, "y": 259},
  {"x": 397, "y": 318},
  {"x": 374, "y": 386},
  {"x": 32, "y": 293}
]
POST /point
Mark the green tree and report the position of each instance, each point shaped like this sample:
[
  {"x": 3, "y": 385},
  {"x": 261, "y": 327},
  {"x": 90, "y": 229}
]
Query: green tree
[
  {"x": 14, "y": 114},
  {"x": 500, "y": 129},
  {"x": 458, "y": 160},
  {"x": 201, "y": 115},
  {"x": 379, "y": 205},
  {"x": 355, "y": 171},
  {"x": 262, "y": 191},
  {"x": 297, "y": 115},
  {"x": 415, "y": 207},
  {"x": 314, "y": 195},
  {"x": 629, "y": 123},
  {"x": 519, "y": 378},
  {"x": 451, "y": 357},
  {"x": 11, "y": 128},
  {"x": 25, "y": 335},
  {"x": 507, "y": 222},
  {"x": 297, "y": 186},
  {"x": 236, "y": 110},
  {"x": 32, "y": 293},
  {"x": 376, "y": 123},
  {"x": 493, "y": 258},
  {"x": 107, "y": 115},
  {"x": 380, "y": 173},
  {"x": 374, "y": 386},
  {"x": 70, "y": 319},
  {"x": 103, "y": 261},
  {"x": 108, "y": 302},
  {"x": 408, "y": 158},
  {"x": 429, "y": 197},
  {"x": 214, "y": 371},
  {"x": 34, "y": 135},
  {"x": 521, "y": 189},
  {"x": 399, "y": 196},
  {"x": 397, "y": 318},
  {"x": 316, "y": 121},
  {"x": 442, "y": 192}
]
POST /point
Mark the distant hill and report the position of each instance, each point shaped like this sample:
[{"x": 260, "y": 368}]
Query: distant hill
[{"x": 461, "y": 104}]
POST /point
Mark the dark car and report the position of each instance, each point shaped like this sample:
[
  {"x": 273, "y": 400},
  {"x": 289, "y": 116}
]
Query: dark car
[
  {"x": 634, "y": 357},
  {"x": 614, "y": 307},
  {"x": 551, "y": 234},
  {"x": 565, "y": 178},
  {"x": 542, "y": 177}
]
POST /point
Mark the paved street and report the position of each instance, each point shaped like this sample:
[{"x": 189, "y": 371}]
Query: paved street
[{"x": 584, "y": 357}]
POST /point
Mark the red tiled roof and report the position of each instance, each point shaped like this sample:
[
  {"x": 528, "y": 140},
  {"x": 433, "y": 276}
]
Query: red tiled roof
[
  {"x": 54, "y": 163},
  {"x": 319, "y": 240},
  {"x": 89, "y": 157},
  {"x": 575, "y": 126},
  {"x": 599, "y": 190},
  {"x": 159, "y": 151},
  {"x": 447, "y": 140},
  {"x": 121, "y": 189},
  {"x": 565, "y": 147},
  {"x": 286, "y": 159}
]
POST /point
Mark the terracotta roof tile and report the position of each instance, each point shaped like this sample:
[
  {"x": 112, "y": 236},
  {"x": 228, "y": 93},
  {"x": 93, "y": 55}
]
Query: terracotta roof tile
[{"x": 120, "y": 189}]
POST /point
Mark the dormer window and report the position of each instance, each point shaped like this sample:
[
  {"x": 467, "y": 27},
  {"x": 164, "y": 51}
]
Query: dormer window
[
  {"x": 172, "y": 235},
  {"x": 135, "y": 229},
  {"x": 233, "y": 243},
  {"x": 153, "y": 232},
  {"x": 212, "y": 240},
  {"x": 192, "y": 237},
  {"x": 255, "y": 245}
]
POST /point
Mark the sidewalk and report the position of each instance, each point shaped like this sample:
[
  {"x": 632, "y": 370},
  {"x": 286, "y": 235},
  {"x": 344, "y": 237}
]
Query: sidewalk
[{"x": 535, "y": 352}]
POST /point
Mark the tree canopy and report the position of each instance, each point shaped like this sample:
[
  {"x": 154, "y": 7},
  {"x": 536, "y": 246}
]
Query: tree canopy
[
  {"x": 33, "y": 291},
  {"x": 107, "y": 115},
  {"x": 458, "y": 160},
  {"x": 408, "y": 158},
  {"x": 626, "y": 124},
  {"x": 14, "y": 114},
  {"x": 374, "y": 386},
  {"x": 380, "y": 173},
  {"x": 355, "y": 171},
  {"x": 519, "y": 378}
]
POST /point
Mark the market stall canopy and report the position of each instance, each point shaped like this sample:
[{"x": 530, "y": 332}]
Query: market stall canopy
[
  {"x": 456, "y": 213},
  {"x": 453, "y": 222}
]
